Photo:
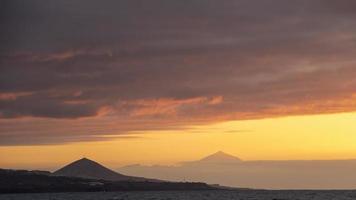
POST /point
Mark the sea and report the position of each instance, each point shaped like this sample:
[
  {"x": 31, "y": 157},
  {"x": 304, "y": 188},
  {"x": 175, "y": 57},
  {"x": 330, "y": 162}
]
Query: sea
[{"x": 191, "y": 195}]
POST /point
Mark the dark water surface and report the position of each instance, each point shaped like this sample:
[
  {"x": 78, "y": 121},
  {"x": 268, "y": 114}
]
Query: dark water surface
[{"x": 190, "y": 195}]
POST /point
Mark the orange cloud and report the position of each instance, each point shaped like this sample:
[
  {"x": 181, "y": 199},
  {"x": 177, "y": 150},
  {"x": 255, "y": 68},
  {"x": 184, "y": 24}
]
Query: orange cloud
[
  {"x": 216, "y": 100},
  {"x": 13, "y": 96},
  {"x": 327, "y": 106},
  {"x": 169, "y": 106},
  {"x": 62, "y": 55},
  {"x": 73, "y": 53}
]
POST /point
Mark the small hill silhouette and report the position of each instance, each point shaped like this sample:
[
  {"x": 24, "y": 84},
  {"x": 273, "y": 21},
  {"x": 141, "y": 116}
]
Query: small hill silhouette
[{"x": 85, "y": 168}]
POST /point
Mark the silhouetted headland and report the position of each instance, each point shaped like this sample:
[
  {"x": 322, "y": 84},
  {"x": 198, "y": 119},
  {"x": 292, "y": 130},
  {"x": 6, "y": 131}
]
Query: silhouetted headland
[{"x": 84, "y": 176}]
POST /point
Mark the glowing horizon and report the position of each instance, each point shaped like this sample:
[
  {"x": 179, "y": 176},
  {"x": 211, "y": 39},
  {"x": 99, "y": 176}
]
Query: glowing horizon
[{"x": 315, "y": 137}]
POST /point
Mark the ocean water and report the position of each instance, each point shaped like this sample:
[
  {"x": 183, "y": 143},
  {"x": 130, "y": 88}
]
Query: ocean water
[{"x": 190, "y": 195}]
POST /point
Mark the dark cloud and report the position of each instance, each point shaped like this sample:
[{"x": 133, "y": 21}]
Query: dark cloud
[
  {"x": 45, "y": 106},
  {"x": 163, "y": 62}
]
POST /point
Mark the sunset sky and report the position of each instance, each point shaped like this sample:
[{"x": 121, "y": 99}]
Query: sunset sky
[{"x": 165, "y": 81}]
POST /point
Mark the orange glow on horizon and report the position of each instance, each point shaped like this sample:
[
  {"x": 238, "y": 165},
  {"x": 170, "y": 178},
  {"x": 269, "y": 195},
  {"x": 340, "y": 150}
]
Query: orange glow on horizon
[{"x": 288, "y": 138}]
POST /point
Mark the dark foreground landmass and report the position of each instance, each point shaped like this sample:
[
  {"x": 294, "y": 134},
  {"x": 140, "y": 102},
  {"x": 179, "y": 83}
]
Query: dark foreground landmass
[
  {"x": 21, "y": 181},
  {"x": 190, "y": 195}
]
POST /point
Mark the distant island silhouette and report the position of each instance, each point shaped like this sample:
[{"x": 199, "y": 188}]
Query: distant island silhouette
[
  {"x": 229, "y": 170},
  {"x": 207, "y": 173},
  {"x": 85, "y": 175}
]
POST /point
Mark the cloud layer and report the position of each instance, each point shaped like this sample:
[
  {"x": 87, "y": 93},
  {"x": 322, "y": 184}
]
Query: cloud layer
[{"x": 93, "y": 68}]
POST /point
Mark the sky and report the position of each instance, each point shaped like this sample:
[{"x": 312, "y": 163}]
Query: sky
[{"x": 163, "y": 81}]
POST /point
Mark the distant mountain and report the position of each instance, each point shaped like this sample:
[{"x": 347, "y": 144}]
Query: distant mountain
[
  {"x": 224, "y": 169},
  {"x": 85, "y": 168},
  {"x": 220, "y": 157}
]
